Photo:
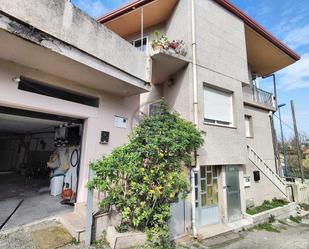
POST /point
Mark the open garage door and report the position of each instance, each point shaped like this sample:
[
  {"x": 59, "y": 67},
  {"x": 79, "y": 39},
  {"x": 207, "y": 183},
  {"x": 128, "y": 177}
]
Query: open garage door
[{"x": 39, "y": 165}]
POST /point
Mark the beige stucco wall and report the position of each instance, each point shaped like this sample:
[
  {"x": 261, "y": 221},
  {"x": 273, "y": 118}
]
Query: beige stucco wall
[
  {"x": 222, "y": 62},
  {"x": 221, "y": 40},
  {"x": 218, "y": 149},
  {"x": 263, "y": 145},
  {"x": 223, "y": 145},
  {"x": 262, "y": 136},
  {"x": 223, "y": 65},
  {"x": 178, "y": 27},
  {"x": 96, "y": 119}
]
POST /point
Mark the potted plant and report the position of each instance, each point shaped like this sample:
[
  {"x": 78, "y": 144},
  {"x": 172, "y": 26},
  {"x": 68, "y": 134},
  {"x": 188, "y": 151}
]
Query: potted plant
[
  {"x": 174, "y": 44},
  {"x": 160, "y": 42}
]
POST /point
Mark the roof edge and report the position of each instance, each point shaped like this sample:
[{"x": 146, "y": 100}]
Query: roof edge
[
  {"x": 258, "y": 28},
  {"x": 122, "y": 10},
  {"x": 225, "y": 4}
]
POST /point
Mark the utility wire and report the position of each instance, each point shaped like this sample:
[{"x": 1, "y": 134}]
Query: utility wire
[{"x": 288, "y": 126}]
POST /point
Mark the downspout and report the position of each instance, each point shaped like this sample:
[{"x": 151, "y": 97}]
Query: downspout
[
  {"x": 142, "y": 26},
  {"x": 195, "y": 116},
  {"x": 273, "y": 131}
]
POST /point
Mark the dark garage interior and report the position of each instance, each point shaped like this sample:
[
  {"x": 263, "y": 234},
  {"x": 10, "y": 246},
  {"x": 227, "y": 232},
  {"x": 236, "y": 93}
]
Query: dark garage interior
[{"x": 39, "y": 165}]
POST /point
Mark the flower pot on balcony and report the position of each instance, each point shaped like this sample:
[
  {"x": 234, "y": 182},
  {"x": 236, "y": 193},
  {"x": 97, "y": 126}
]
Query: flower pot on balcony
[
  {"x": 157, "y": 47},
  {"x": 174, "y": 44}
]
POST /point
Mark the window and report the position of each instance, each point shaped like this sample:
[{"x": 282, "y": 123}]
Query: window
[
  {"x": 154, "y": 109},
  {"x": 208, "y": 186},
  {"x": 218, "y": 106},
  {"x": 142, "y": 46},
  {"x": 248, "y": 126},
  {"x": 37, "y": 87}
]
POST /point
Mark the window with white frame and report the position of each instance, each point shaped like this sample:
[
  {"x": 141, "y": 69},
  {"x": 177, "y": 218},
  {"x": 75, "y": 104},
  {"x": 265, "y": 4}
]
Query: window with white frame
[
  {"x": 248, "y": 126},
  {"x": 142, "y": 46},
  {"x": 218, "y": 106}
]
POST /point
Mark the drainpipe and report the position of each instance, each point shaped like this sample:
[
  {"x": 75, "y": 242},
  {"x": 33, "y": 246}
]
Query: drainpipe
[
  {"x": 142, "y": 26},
  {"x": 273, "y": 131},
  {"x": 195, "y": 115}
]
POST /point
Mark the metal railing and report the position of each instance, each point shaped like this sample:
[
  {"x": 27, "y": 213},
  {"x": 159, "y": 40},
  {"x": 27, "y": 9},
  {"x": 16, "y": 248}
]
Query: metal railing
[
  {"x": 266, "y": 170},
  {"x": 260, "y": 96}
]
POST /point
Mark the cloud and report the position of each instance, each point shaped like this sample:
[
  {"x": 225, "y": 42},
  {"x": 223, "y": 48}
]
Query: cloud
[
  {"x": 298, "y": 37},
  {"x": 295, "y": 76},
  {"x": 94, "y": 8}
]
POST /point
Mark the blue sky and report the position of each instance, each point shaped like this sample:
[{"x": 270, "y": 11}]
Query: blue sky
[
  {"x": 288, "y": 20},
  {"x": 96, "y": 8}
]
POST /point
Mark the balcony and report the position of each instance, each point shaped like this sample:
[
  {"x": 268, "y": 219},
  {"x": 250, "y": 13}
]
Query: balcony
[
  {"x": 258, "y": 97},
  {"x": 77, "y": 47},
  {"x": 168, "y": 58},
  {"x": 166, "y": 64}
]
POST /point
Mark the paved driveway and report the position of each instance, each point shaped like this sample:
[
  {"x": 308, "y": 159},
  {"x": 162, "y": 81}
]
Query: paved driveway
[{"x": 290, "y": 235}]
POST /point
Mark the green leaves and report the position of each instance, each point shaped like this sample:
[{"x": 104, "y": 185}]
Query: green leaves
[{"x": 143, "y": 177}]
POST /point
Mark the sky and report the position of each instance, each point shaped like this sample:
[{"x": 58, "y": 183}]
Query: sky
[
  {"x": 288, "y": 20},
  {"x": 96, "y": 8}
]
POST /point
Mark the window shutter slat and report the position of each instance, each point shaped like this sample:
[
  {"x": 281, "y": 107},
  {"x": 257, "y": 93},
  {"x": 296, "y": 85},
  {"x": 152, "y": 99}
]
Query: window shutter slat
[{"x": 218, "y": 105}]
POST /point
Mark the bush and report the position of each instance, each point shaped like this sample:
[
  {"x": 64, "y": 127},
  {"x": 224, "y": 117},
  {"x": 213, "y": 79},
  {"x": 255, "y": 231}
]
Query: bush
[
  {"x": 267, "y": 205},
  {"x": 142, "y": 178},
  {"x": 296, "y": 219},
  {"x": 267, "y": 227}
]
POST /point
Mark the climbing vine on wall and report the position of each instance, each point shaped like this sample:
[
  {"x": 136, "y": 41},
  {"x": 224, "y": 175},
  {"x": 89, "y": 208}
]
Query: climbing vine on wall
[{"x": 143, "y": 177}]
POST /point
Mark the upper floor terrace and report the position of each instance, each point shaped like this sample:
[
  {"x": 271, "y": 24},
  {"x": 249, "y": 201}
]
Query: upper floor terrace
[
  {"x": 262, "y": 52},
  {"x": 258, "y": 97},
  {"x": 101, "y": 56}
]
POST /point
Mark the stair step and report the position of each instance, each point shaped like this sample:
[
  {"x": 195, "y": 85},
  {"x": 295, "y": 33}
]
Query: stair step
[
  {"x": 80, "y": 209},
  {"x": 266, "y": 170},
  {"x": 75, "y": 224}
]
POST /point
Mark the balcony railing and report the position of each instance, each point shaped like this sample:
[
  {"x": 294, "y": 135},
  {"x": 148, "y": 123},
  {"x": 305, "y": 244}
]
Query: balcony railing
[{"x": 259, "y": 96}]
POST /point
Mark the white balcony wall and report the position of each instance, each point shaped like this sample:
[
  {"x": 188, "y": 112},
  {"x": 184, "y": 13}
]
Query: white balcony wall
[{"x": 60, "y": 19}]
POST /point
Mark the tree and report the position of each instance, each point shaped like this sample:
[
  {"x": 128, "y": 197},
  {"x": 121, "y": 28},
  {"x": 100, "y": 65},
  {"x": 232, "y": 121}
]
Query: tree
[
  {"x": 142, "y": 178},
  {"x": 291, "y": 152}
]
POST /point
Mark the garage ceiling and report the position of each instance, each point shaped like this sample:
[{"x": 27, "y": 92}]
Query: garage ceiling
[{"x": 22, "y": 125}]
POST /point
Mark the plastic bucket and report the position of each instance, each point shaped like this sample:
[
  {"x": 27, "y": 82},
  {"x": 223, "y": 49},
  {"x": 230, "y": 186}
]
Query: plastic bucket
[{"x": 56, "y": 184}]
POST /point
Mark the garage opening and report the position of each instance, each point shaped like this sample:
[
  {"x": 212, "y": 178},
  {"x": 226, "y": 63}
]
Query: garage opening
[{"x": 39, "y": 165}]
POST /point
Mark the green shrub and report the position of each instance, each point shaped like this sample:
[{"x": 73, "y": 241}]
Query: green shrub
[
  {"x": 272, "y": 219},
  {"x": 267, "y": 227},
  {"x": 142, "y": 178},
  {"x": 122, "y": 228},
  {"x": 296, "y": 219},
  {"x": 267, "y": 205}
]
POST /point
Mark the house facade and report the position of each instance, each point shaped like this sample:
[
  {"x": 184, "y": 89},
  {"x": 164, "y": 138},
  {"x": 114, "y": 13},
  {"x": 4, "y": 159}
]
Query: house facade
[
  {"x": 60, "y": 49},
  {"x": 213, "y": 83},
  {"x": 227, "y": 54}
]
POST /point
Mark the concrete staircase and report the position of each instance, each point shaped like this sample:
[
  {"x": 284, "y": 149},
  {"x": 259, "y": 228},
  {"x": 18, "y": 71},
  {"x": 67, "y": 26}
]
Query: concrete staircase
[
  {"x": 75, "y": 222},
  {"x": 266, "y": 170}
]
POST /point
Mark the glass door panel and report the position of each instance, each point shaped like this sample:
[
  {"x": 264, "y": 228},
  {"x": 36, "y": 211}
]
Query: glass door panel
[
  {"x": 233, "y": 193},
  {"x": 207, "y": 193}
]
